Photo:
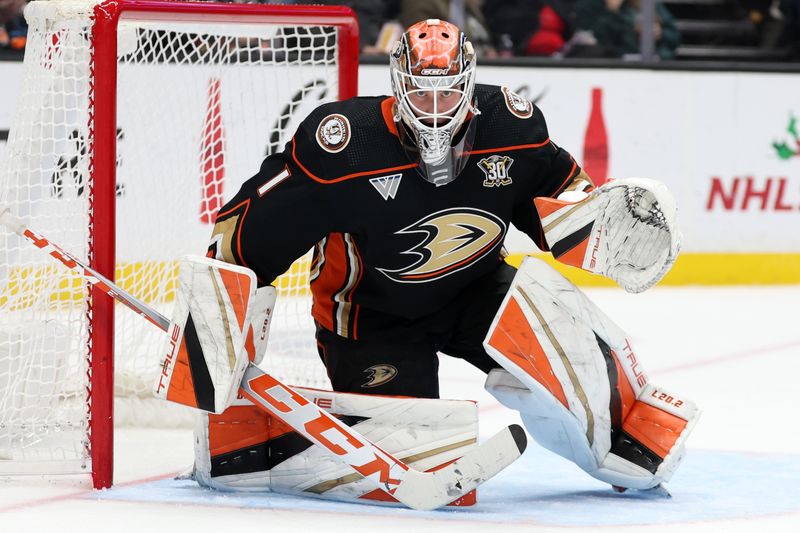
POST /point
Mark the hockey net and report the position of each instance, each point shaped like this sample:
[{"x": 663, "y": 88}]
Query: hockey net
[{"x": 202, "y": 93}]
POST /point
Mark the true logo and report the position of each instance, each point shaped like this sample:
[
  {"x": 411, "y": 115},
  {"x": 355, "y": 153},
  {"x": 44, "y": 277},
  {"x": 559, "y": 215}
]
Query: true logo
[
  {"x": 333, "y": 133},
  {"x": 518, "y": 105},
  {"x": 496, "y": 168},
  {"x": 387, "y": 185},
  {"x": 378, "y": 375}
]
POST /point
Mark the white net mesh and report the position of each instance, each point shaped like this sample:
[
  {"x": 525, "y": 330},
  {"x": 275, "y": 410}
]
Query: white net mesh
[{"x": 199, "y": 104}]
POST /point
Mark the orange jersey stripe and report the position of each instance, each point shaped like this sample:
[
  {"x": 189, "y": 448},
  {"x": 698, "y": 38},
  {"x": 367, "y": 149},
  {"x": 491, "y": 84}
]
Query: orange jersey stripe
[
  {"x": 353, "y": 288},
  {"x": 347, "y": 176},
  {"x": 387, "y": 107},
  {"x": 510, "y": 148},
  {"x": 330, "y": 279}
]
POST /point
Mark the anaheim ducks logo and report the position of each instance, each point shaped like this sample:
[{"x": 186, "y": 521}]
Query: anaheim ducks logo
[
  {"x": 333, "y": 133},
  {"x": 518, "y": 105},
  {"x": 453, "y": 240},
  {"x": 378, "y": 375}
]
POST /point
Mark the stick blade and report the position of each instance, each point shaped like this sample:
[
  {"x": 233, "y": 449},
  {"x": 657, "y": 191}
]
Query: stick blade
[{"x": 426, "y": 491}]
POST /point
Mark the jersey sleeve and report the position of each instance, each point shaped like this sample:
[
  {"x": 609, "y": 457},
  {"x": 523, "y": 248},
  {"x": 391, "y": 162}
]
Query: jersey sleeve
[
  {"x": 555, "y": 170},
  {"x": 275, "y": 218}
]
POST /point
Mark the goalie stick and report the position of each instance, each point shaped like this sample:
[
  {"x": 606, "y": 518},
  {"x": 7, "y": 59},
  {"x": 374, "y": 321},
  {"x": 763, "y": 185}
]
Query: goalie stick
[{"x": 415, "y": 489}]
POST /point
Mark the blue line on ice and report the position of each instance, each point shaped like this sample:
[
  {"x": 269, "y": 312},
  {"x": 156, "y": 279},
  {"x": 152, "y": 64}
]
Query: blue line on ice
[{"x": 546, "y": 490}]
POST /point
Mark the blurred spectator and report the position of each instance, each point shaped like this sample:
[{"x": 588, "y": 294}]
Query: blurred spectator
[
  {"x": 511, "y": 23},
  {"x": 766, "y": 17},
  {"x": 466, "y": 14},
  {"x": 529, "y": 27},
  {"x": 13, "y": 30},
  {"x": 17, "y": 30},
  {"x": 554, "y": 29},
  {"x": 390, "y": 33},
  {"x": 10, "y": 9},
  {"x": 790, "y": 38},
  {"x": 372, "y": 14},
  {"x": 615, "y": 25}
]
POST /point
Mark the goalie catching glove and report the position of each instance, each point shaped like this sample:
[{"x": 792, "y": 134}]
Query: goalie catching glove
[{"x": 624, "y": 230}]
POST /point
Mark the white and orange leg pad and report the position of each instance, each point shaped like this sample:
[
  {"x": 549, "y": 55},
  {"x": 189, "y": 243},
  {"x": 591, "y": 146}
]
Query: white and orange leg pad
[
  {"x": 246, "y": 449},
  {"x": 579, "y": 386},
  {"x": 211, "y": 336},
  {"x": 625, "y": 230}
]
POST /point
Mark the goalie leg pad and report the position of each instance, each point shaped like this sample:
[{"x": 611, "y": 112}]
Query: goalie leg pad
[
  {"x": 245, "y": 449},
  {"x": 576, "y": 380}
]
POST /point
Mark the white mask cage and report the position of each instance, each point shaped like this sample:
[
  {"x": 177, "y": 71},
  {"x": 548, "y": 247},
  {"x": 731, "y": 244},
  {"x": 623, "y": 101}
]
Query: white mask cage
[
  {"x": 434, "y": 98},
  {"x": 433, "y": 108}
]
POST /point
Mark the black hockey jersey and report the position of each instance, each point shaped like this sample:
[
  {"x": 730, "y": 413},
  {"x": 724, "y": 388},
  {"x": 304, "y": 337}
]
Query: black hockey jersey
[{"x": 390, "y": 247}]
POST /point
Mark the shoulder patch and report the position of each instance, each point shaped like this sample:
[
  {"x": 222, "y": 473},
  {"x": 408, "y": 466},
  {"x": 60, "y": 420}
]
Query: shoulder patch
[
  {"x": 518, "y": 105},
  {"x": 333, "y": 133}
]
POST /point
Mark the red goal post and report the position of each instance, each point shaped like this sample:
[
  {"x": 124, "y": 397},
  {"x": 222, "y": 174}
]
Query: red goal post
[{"x": 108, "y": 44}]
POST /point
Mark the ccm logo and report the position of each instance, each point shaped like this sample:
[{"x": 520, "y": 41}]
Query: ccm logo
[
  {"x": 434, "y": 71},
  {"x": 169, "y": 359}
]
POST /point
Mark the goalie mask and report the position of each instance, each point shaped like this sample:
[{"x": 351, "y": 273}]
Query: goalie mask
[{"x": 433, "y": 78}]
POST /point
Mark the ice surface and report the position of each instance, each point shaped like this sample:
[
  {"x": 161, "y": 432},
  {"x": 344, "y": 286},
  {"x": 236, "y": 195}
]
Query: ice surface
[{"x": 736, "y": 351}]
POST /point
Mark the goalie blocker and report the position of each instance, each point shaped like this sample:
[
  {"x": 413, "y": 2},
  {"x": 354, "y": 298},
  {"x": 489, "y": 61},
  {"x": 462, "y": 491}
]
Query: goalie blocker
[
  {"x": 206, "y": 354},
  {"x": 579, "y": 385}
]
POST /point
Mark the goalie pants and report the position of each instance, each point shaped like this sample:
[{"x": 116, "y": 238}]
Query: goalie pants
[{"x": 410, "y": 367}]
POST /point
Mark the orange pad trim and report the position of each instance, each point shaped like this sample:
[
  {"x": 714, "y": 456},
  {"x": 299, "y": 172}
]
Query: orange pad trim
[
  {"x": 242, "y": 426},
  {"x": 574, "y": 257},
  {"x": 626, "y": 394},
  {"x": 515, "y": 339},
  {"x": 238, "y": 287},
  {"x": 547, "y": 206},
  {"x": 654, "y": 428},
  {"x": 181, "y": 386}
]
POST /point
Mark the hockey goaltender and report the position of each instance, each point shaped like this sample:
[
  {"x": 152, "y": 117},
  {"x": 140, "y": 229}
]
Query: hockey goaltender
[{"x": 406, "y": 200}]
